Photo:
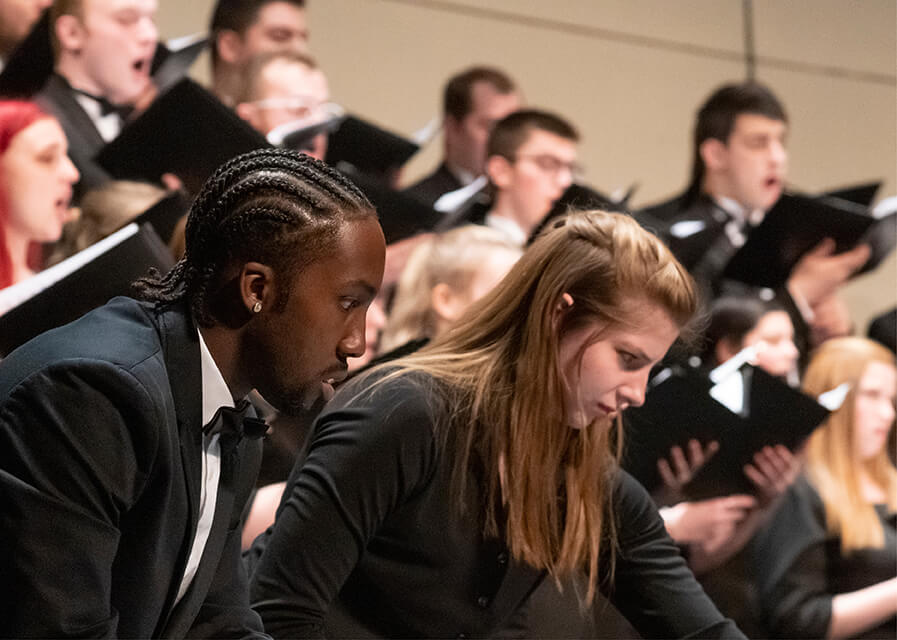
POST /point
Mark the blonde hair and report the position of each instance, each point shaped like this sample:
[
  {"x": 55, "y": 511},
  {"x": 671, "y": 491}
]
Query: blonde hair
[
  {"x": 105, "y": 210},
  {"x": 452, "y": 258},
  {"x": 543, "y": 486},
  {"x": 832, "y": 464}
]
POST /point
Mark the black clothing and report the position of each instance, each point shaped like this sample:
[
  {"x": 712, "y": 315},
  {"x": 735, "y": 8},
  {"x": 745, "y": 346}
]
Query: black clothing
[
  {"x": 100, "y": 472},
  {"x": 883, "y": 328},
  {"x": 429, "y": 189},
  {"x": 800, "y": 567},
  {"x": 366, "y": 528},
  {"x": 701, "y": 244}
]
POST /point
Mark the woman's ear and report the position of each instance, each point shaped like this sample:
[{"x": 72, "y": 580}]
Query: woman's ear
[
  {"x": 564, "y": 303},
  {"x": 724, "y": 349},
  {"x": 446, "y": 304}
]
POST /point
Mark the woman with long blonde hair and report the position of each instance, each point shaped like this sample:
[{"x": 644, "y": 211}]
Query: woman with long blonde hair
[
  {"x": 443, "y": 276},
  {"x": 441, "y": 489},
  {"x": 827, "y": 564}
]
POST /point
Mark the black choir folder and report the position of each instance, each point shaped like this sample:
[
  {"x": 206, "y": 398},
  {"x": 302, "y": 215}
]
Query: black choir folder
[
  {"x": 186, "y": 131},
  {"x": 795, "y": 225},
  {"x": 73, "y": 287},
  {"x": 368, "y": 149},
  {"x": 679, "y": 407}
]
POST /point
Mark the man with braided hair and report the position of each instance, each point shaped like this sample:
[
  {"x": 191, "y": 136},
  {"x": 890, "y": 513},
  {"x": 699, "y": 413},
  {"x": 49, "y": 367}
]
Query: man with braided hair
[{"x": 124, "y": 468}]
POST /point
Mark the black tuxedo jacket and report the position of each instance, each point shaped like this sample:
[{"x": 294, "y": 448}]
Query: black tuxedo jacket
[
  {"x": 429, "y": 189},
  {"x": 100, "y": 472},
  {"x": 85, "y": 141},
  {"x": 704, "y": 249}
]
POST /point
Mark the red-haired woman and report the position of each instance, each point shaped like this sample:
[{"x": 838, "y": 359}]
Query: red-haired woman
[{"x": 36, "y": 178}]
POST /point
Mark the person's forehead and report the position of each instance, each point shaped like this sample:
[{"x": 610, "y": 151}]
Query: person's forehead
[
  {"x": 540, "y": 141},
  {"x": 292, "y": 78},
  {"x": 486, "y": 100},
  {"x": 37, "y": 134},
  {"x": 753, "y": 123},
  {"x": 282, "y": 15},
  {"x": 92, "y": 7}
]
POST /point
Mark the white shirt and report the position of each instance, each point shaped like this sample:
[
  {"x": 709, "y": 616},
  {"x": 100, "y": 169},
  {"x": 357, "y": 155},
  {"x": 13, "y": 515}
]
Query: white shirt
[
  {"x": 508, "y": 227},
  {"x": 109, "y": 125},
  {"x": 740, "y": 219},
  {"x": 215, "y": 393}
]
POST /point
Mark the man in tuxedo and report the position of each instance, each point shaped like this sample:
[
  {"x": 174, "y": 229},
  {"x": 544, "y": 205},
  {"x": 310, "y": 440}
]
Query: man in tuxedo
[
  {"x": 740, "y": 163},
  {"x": 241, "y": 30},
  {"x": 531, "y": 160},
  {"x": 103, "y": 51},
  {"x": 473, "y": 101},
  {"x": 127, "y": 451}
]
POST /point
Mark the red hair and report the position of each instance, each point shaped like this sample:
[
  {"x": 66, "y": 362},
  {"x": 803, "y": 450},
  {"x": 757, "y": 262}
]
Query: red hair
[{"x": 15, "y": 115}]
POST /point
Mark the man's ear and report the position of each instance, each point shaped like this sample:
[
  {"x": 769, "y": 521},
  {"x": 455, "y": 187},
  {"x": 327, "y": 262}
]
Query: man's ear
[
  {"x": 499, "y": 169},
  {"x": 70, "y": 33},
  {"x": 258, "y": 287},
  {"x": 230, "y": 46},
  {"x": 248, "y": 112},
  {"x": 714, "y": 153}
]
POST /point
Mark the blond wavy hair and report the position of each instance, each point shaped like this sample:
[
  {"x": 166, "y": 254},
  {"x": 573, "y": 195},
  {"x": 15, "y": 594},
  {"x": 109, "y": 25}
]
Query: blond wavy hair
[
  {"x": 451, "y": 258},
  {"x": 543, "y": 486},
  {"x": 832, "y": 461}
]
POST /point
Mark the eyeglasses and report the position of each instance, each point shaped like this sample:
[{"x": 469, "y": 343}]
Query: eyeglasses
[
  {"x": 551, "y": 164},
  {"x": 300, "y": 106}
]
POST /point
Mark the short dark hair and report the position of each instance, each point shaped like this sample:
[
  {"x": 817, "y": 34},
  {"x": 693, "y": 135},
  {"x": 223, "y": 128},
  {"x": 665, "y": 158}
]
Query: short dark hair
[
  {"x": 511, "y": 132},
  {"x": 730, "y": 319},
  {"x": 237, "y": 15},
  {"x": 458, "y": 96},
  {"x": 274, "y": 206},
  {"x": 716, "y": 118}
]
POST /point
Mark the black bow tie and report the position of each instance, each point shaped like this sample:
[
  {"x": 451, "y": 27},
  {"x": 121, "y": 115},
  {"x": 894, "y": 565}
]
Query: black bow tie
[
  {"x": 107, "y": 107},
  {"x": 234, "y": 421}
]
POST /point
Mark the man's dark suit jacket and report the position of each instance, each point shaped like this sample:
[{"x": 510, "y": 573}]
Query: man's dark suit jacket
[
  {"x": 85, "y": 141},
  {"x": 100, "y": 472},
  {"x": 429, "y": 189},
  {"x": 706, "y": 251}
]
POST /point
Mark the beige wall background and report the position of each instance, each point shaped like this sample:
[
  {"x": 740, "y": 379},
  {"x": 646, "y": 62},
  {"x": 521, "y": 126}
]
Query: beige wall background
[{"x": 630, "y": 74}]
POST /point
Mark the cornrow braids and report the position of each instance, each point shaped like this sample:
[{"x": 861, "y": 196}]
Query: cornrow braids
[{"x": 273, "y": 206}]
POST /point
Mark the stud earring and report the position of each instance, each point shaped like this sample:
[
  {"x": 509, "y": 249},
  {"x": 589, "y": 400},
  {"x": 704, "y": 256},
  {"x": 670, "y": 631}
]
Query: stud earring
[{"x": 257, "y": 307}]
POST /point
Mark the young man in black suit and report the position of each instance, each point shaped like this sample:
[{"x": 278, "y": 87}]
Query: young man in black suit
[
  {"x": 103, "y": 51},
  {"x": 473, "y": 101},
  {"x": 740, "y": 163},
  {"x": 124, "y": 468}
]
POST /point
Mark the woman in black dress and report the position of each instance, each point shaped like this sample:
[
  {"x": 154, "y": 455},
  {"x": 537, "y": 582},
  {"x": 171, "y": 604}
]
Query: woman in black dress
[
  {"x": 827, "y": 564},
  {"x": 441, "y": 489}
]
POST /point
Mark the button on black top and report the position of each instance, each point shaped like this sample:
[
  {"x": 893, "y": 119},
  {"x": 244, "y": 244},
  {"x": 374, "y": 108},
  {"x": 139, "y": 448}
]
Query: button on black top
[
  {"x": 502, "y": 558},
  {"x": 483, "y": 601}
]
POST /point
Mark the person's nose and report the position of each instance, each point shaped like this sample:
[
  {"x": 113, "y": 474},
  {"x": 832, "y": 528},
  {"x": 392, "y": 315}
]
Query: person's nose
[
  {"x": 68, "y": 171},
  {"x": 353, "y": 343},
  {"x": 632, "y": 391}
]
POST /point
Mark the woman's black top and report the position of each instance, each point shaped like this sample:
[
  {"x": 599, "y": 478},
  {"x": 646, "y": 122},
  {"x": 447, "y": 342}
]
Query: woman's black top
[
  {"x": 367, "y": 543},
  {"x": 800, "y": 567}
]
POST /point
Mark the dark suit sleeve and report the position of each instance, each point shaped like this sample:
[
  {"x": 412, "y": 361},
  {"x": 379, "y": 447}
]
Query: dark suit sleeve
[
  {"x": 76, "y": 444},
  {"x": 653, "y": 587},
  {"x": 364, "y": 461}
]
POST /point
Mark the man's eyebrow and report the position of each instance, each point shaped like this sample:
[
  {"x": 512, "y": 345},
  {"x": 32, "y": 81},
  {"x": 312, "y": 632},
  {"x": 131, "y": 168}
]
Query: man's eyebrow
[{"x": 368, "y": 288}]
